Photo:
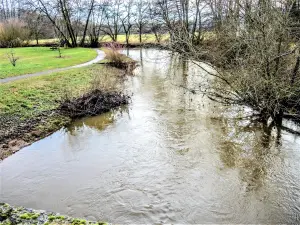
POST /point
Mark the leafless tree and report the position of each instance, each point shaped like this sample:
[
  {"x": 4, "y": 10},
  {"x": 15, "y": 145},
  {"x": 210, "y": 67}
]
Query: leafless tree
[
  {"x": 126, "y": 19},
  {"x": 112, "y": 13},
  {"x": 68, "y": 17},
  {"x": 156, "y": 22},
  {"x": 141, "y": 16},
  {"x": 36, "y": 23},
  {"x": 96, "y": 24},
  {"x": 257, "y": 66}
]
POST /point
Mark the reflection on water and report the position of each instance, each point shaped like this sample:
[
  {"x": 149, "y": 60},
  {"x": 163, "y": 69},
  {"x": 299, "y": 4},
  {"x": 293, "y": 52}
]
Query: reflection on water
[{"x": 171, "y": 156}]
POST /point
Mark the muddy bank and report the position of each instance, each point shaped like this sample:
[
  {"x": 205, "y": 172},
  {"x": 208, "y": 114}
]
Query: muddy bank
[
  {"x": 16, "y": 132},
  {"x": 21, "y": 215}
]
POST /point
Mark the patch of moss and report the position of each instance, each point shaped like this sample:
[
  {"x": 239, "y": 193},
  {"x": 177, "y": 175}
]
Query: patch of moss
[
  {"x": 29, "y": 216},
  {"x": 61, "y": 217},
  {"x": 50, "y": 218},
  {"x": 6, "y": 222},
  {"x": 78, "y": 222}
]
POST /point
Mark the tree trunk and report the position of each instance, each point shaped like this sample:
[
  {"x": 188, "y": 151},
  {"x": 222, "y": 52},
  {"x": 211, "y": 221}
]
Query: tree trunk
[
  {"x": 87, "y": 23},
  {"x": 140, "y": 33}
]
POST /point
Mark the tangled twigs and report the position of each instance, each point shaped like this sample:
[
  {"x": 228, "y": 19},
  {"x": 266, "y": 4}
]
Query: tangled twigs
[{"x": 93, "y": 103}]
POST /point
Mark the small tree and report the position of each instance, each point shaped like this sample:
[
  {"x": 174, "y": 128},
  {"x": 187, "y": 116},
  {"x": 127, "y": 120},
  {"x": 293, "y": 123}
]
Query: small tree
[{"x": 12, "y": 57}]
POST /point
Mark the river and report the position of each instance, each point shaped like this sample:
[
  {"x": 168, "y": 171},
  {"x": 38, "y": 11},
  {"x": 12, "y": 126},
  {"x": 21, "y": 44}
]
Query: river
[{"x": 170, "y": 156}]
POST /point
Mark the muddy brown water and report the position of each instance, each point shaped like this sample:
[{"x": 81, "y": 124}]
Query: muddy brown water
[{"x": 168, "y": 157}]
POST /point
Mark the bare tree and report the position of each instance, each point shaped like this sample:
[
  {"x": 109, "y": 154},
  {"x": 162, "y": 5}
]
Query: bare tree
[
  {"x": 156, "y": 22},
  {"x": 68, "y": 17},
  {"x": 96, "y": 24},
  {"x": 141, "y": 17},
  {"x": 126, "y": 19},
  {"x": 36, "y": 23},
  {"x": 112, "y": 13},
  {"x": 256, "y": 65}
]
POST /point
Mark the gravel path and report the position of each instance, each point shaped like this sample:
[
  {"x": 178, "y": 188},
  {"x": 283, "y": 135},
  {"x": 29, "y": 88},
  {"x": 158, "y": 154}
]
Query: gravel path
[{"x": 100, "y": 57}]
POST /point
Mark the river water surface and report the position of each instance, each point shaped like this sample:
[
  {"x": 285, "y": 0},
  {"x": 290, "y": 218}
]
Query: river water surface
[{"x": 170, "y": 156}]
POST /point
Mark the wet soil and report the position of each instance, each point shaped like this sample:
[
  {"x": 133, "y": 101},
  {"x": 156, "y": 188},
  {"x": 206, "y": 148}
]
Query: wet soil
[{"x": 17, "y": 132}]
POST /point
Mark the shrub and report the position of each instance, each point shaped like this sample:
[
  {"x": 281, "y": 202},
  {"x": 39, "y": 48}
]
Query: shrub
[
  {"x": 113, "y": 54},
  {"x": 13, "y": 33}
]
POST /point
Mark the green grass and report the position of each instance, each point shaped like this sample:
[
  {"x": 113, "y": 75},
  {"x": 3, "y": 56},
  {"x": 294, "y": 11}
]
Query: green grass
[
  {"x": 31, "y": 96},
  {"x": 37, "y": 59}
]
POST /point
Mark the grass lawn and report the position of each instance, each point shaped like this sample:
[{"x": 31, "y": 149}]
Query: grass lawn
[
  {"x": 37, "y": 59},
  {"x": 34, "y": 95}
]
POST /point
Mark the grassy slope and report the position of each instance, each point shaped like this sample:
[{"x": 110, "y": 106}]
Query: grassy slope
[
  {"x": 38, "y": 59},
  {"x": 33, "y": 95}
]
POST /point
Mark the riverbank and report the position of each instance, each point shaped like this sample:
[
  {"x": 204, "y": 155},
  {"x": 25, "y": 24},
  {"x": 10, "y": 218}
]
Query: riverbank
[
  {"x": 28, "y": 108},
  {"x": 20, "y": 215}
]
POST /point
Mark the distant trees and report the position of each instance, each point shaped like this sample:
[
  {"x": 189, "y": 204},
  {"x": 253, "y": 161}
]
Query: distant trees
[
  {"x": 35, "y": 23},
  {"x": 112, "y": 18},
  {"x": 141, "y": 16},
  {"x": 11, "y": 9},
  {"x": 127, "y": 19}
]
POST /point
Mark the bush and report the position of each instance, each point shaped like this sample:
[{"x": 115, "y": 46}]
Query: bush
[
  {"x": 113, "y": 54},
  {"x": 13, "y": 33}
]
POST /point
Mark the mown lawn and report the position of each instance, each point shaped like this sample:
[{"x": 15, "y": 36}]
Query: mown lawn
[
  {"x": 31, "y": 96},
  {"x": 37, "y": 59}
]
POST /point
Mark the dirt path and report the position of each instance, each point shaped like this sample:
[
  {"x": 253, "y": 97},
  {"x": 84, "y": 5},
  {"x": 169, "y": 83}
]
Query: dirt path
[{"x": 100, "y": 57}]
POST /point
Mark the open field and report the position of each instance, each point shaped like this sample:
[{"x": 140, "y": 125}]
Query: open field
[
  {"x": 134, "y": 39},
  {"x": 36, "y": 59}
]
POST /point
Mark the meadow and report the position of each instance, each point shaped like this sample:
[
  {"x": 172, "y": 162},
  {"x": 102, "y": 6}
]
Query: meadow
[{"x": 37, "y": 59}]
